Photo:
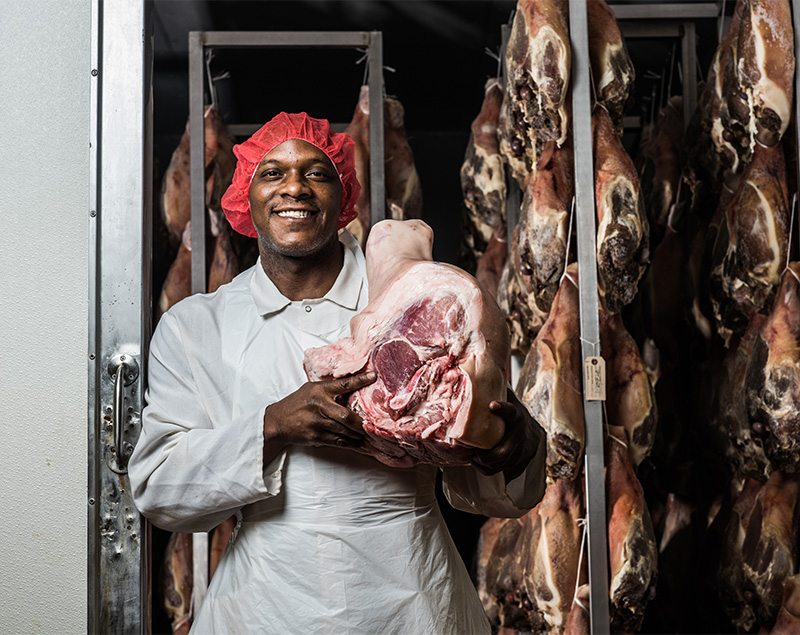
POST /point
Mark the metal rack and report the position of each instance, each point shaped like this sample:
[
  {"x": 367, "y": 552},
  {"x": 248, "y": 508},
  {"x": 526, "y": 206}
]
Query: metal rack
[
  {"x": 643, "y": 20},
  {"x": 202, "y": 41}
]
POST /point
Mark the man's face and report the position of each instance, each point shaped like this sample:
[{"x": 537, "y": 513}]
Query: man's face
[{"x": 295, "y": 198}]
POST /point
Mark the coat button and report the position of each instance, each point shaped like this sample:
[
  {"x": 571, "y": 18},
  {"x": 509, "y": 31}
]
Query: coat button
[{"x": 308, "y": 309}]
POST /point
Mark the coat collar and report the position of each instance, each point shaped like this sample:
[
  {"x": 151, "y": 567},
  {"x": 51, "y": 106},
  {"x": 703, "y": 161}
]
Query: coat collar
[{"x": 345, "y": 292}]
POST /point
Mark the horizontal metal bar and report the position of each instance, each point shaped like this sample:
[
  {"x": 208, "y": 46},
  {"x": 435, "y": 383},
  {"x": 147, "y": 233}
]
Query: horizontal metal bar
[
  {"x": 650, "y": 29},
  {"x": 284, "y": 39},
  {"x": 666, "y": 11},
  {"x": 247, "y": 129}
]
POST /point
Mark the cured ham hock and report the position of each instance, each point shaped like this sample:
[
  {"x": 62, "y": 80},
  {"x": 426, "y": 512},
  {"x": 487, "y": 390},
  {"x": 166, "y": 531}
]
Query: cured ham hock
[{"x": 439, "y": 345}]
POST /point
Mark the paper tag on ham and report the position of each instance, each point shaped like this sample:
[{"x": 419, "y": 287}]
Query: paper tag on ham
[{"x": 594, "y": 379}]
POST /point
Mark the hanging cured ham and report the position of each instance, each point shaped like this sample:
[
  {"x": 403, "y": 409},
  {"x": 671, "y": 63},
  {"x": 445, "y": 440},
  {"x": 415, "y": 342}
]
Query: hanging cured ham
[
  {"x": 534, "y": 113},
  {"x": 753, "y": 236},
  {"x": 176, "y": 582},
  {"x": 542, "y": 230},
  {"x": 439, "y": 345},
  {"x": 178, "y": 283},
  {"x": 760, "y": 549},
  {"x": 630, "y": 400},
  {"x": 483, "y": 180},
  {"x": 175, "y": 189},
  {"x": 773, "y": 377},
  {"x": 788, "y": 622},
  {"x": 403, "y": 188},
  {"x": 500, "y": 566},
  {"x": 663, "y": 151},
  {"x": 744, "y": 449},
  {"x": 550, "y": 382},
  {"x": 612, "y": 69},
  {"x": 358, "y": 129},
  {"x": 622, "y": 230},
  {"x": 554, "y": 554},
  {"x": 765, "y": 65},
  {"x": 490, "y": 265},
  {"x": 631, "y": 541}
]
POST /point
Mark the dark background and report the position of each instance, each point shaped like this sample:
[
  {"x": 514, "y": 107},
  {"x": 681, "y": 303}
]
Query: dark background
[{"x": 439, "y": 65}]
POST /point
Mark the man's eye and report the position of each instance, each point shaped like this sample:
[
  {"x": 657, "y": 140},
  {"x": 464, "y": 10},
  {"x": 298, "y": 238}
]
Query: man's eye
[
  {"x": 270, "y": 173},
  {"x": 319, "y": 174}
]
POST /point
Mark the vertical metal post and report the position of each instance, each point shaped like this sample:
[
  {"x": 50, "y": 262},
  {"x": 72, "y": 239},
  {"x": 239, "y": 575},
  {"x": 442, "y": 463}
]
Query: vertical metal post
[
  {"x": 198, "y": 215},
  {"x": 120, "y": 218},
  {"x": 377, "y": 183},
  {"x": 197, "y": 163},
  {"x": 689, "y": 59},
  {"x": 796, "y": 25},
  {"x": 590, "y": 327}
]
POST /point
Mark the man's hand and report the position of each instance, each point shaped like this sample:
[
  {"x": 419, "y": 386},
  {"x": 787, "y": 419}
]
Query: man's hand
[
  {"x": 517, "y": 447},
  {"x": 314, "y": 415}
]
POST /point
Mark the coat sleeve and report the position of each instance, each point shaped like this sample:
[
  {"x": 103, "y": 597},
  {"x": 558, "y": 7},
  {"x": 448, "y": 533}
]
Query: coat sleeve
[
  {"x": 186, "y": 473},
  {"x": 469, "y": 490}
]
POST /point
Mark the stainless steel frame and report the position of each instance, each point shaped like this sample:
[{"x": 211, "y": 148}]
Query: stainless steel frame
[
  {"x": 200, "y": 41},
  {"x": 119, "y": 216},
  {"x": 594, "y": 461}
]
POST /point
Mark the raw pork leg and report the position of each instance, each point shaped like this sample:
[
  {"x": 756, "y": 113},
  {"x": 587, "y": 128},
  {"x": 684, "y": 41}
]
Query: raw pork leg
[
  {"x": 534, "y": 113},
  {"x": 439, "y": 344}
]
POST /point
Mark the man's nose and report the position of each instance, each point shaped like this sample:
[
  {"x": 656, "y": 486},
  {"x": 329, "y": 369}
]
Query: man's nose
[{"x": 295, "y": 184}]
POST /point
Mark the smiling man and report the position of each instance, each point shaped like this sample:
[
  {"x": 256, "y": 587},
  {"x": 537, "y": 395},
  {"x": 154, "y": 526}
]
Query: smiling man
[{"x": 328, "y": 539}]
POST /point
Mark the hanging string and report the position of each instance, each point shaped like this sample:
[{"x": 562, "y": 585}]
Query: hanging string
[
  {"x": 497, "y": 58},
  {"x": 671, "y": 71},
  {"x": 791, "y": 228},
  {"x": 721, "y": 22},
  {"x": 582, "y": 523},
  {"x": 569, "y": 239},
  {"x": 211, "y": 87}
]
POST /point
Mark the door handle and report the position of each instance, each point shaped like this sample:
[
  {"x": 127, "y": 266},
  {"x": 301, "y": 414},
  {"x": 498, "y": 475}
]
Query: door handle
[{"x": 124, "y": 371}]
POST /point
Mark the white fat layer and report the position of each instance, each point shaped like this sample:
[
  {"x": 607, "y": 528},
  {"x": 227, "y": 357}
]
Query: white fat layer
[
  {"x": 609, "y": 75},
  {"x": 632, "y": 221},
  {"x": 538, "y": 55},
  {"x": 766, "y": 91},
  {"x": 716, "y": 135},
  {"x": 552, "y": 614},
  {"x": 765, "y": 223},
  {"x": 431, "y": 429}
]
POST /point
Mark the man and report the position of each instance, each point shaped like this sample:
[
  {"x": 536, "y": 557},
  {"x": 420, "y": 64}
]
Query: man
[{"x": 329, "y": 539}]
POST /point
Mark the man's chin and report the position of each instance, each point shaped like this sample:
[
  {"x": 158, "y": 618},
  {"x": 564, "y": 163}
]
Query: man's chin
[{"x": 293, "y": 248}]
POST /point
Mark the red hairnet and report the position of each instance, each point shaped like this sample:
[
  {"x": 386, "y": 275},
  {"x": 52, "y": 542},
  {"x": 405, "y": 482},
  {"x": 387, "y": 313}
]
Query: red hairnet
[{"x": 338, "y": 147}]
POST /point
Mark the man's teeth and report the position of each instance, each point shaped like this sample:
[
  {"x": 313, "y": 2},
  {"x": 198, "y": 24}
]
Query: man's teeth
[{"x": 294, "y": 213}]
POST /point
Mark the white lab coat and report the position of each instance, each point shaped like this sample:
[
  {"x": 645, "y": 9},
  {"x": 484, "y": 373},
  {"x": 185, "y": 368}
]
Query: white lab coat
[{"x": 330, "y": 540}]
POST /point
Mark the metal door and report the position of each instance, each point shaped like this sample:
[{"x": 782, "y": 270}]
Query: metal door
[{"x": 119, "y": 305}]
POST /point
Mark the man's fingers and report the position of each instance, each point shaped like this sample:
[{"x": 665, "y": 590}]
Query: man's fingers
[
  {"x": 352, "y": 383},
  {"x": 505, "y": 410},
  {"x": 345, "y": 417}
]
